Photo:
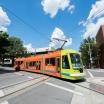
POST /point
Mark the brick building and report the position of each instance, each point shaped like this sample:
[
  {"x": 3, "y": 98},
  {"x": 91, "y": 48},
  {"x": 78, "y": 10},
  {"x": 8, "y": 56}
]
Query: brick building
[{"x": 100, "y": 41}]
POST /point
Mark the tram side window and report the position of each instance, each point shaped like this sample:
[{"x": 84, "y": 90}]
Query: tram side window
[
  {"x": 31, "y": 64},
  {"x": 50, "y": 62},
  {"x": 38, "y": 65},
  {"x": 65, "y": 62},
  {"x": 47, "y": 62},
  {"x": 19, "y": 62},
  {"x": 34, "y": 63}
]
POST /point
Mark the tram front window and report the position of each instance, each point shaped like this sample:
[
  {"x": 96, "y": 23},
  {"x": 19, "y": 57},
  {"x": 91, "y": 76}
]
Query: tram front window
[{"x": 76, "y": 61}]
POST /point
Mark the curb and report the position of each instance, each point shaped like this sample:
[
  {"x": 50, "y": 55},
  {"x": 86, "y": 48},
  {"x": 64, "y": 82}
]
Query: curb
[{"x": 17, "y": 87}]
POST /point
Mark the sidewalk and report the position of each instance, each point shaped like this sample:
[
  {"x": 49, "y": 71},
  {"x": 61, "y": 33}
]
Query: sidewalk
[{"x": 97, "y": 84}]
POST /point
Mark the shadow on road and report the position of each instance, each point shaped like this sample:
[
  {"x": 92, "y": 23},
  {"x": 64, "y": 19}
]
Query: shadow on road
[
  {"x": 68, "y": 80},
  {"x": 3, "y": 71},
  {"x": 74, "y": 81}
]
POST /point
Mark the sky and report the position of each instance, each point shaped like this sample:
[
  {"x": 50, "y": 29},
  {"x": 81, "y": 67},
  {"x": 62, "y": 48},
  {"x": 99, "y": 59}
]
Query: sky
[{"x": 38, "y": 22}]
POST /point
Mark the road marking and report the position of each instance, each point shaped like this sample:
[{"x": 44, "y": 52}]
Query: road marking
[
  {"x": 63, "y": 88},
  {"x": 4, "y": 102},
  {"x": 1, "y": 93},
  {"x": 90, "y": 74},
  {"x": 18, "y": 73},
  {"x": 30, "y": 77},
  {"x": 98, "y": 70}
]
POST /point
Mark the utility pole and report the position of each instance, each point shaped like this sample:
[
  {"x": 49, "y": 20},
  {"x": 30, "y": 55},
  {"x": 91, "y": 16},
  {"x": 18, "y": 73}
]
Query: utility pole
[{"x": 90, "y": 54}]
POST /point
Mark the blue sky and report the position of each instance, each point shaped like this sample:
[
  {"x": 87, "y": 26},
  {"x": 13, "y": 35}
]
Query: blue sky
[{"x": 33, "y": 13}]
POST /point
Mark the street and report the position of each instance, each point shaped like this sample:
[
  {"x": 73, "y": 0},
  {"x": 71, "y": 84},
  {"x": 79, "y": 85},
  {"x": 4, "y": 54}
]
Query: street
[
  {"x": 31, "y": 88},
  {"x": 51, "y": 51}
]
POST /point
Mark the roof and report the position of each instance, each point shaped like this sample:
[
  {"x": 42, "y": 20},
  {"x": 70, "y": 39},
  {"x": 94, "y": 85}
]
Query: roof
[{"x": 53, "y": 54}]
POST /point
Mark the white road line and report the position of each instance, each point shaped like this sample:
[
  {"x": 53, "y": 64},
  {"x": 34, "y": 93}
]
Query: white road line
[
  {"x": 4, "y": 102},
  {"x": 30, "y": 77},
  {"x": 98, "y": 70},
  {"x": 90, "y": 74},
  {"x": 63, "y": 88},
  {"x": 1, "y": 93},
  {"x": 18, "y": 73}
]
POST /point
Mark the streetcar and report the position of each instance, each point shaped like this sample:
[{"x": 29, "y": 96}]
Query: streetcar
[{"x": 64, "y": 64}]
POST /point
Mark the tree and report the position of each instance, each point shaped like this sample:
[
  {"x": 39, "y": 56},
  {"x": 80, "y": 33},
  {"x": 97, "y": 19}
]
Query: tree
[
  {"x": 16, "y": 48},
  {"x": 4, "y": 43},
  {"x": 89, "y": 52},
  {"x": 11, "y": 47}
]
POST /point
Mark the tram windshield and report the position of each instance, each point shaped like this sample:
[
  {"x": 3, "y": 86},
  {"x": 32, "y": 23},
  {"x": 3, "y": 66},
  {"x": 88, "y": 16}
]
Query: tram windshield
[{"x": 76, "y": 61}]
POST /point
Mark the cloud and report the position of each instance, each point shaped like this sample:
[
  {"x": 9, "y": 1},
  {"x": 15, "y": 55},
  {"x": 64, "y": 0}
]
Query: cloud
[
  {"x": 97, "y": 10},
  {"x": 4, "y": 20},
  {"x": 52, "y": 7},
  {"x": 4, "y": 29},
  {"x": 71, "y": 8},
  {"x": 92, "y": 28},
  {"x": 29, "y": 48},
  {"x": 58, "y": 33},
  {"x": 94, "y": 20},
  {"x": 83, "y": 23}
]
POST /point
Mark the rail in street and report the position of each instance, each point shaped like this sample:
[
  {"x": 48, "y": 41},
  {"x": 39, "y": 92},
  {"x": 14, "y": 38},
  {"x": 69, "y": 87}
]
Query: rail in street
[{"x": 29, "y": 88}]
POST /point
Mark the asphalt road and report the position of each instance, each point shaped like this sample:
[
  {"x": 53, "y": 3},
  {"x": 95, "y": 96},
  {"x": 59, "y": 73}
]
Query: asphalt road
[
  {"x": 51, "y": 91},
  {"x": 9, "y": 77},
  {"x": 44, "y": 94},
  {"x": 97, "y": 73}
]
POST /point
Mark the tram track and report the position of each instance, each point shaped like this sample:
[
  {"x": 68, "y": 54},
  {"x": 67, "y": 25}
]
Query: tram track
[
  {"x": 92, "y": 87},
  {"x": 10, "y": 85},
  {"x": 13, "y": 88},
  {"x": 26, "y": 86}
]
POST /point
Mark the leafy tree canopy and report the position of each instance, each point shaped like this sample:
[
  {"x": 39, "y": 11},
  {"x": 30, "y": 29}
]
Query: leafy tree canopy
[
  {"x": 10, "y": 46},
  {"x": 16, "y": 47},
  {"x": 4, "y": 43},
  {"x": 87, "y": 47}
]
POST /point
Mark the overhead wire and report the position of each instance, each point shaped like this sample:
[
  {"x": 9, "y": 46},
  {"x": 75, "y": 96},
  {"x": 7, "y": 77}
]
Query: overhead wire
[
  {"x": 34, "y": 28},
  {"x": 100, "y": 11},
  {"x": 24, "y": 22}
]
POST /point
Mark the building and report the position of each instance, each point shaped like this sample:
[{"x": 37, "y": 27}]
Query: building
[
  {"x": 42, "y": 50},
  {"x": 100, "y": 41}
]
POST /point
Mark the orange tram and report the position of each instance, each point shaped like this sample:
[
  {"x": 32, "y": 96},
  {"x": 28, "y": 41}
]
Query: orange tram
[{"x": 65, "y": 64}]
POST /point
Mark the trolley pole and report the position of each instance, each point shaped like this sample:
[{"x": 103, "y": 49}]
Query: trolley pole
[{"x": 65, "y": 41}]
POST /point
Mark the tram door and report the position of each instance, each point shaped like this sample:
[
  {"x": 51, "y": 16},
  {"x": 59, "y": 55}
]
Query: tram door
[{"x": 58, "y": 68}]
